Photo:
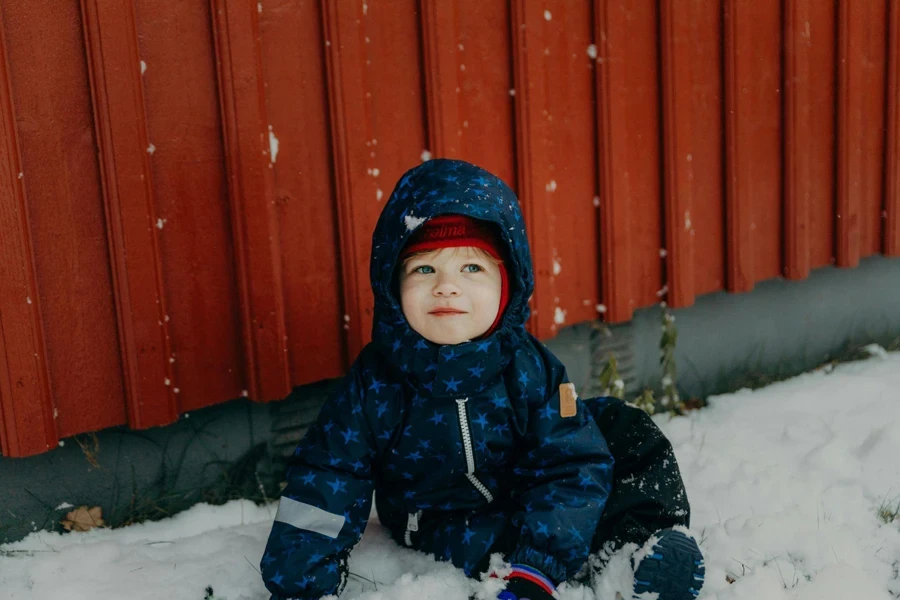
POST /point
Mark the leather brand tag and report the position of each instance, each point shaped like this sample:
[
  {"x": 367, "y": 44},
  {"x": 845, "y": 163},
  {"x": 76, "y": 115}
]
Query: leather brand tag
[{"x": 568, "y": 406}]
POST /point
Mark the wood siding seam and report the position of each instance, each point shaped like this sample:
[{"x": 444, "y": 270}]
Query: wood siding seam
[
  {"x": 615, "y": 260},
  {"x": 27, "y": 410},
  {"x": 132, "y": 231},
  {"x": 892, "y": 141},
  {"x": 252, "y": 198},
  {"x": 524, "y": 147},
  {"x": 846, "y": 219},
  {"x": 343, "y": 176}
]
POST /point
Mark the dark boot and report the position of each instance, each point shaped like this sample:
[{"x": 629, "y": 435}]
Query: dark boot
[{"x": 674, "y": 569}]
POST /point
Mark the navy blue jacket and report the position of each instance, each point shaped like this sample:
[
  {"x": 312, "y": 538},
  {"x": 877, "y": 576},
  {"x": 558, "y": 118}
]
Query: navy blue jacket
[{"x": 462, "y": 444}]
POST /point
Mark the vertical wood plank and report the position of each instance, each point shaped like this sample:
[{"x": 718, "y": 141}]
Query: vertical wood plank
[
  {"x": 808, "y": 135},
  {"x": 532, "y": 133},
  {"x": 345, "y": 75},
  {"x": 568, "y": 62},
  {"x": 442, "y": 85},
  {"x": 629, "y": 155},
  {"x": 293, "y": 47},
  {"x": 27, "y": 420},
  {"x": 121, "y": 126},
  {"x": 48, "y": 74},
  {"x": 376, "y": 97},
  {"x": 678, "y": 150},
  {"x": 707, "y": 144},
  {"x": 485, "y": 92},
  {"x": 190, "y": 187},
  {"x": 251, "y": 195},
  {"x": 892, "y": 142},
  {"x": 861, "y": 121},
  {"x": 753, "y": 141}
]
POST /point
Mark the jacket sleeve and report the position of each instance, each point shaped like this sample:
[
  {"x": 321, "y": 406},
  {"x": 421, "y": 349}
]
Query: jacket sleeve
[
  {"x": 562, "y": 483},
  {"x": 325, "y": 506}
]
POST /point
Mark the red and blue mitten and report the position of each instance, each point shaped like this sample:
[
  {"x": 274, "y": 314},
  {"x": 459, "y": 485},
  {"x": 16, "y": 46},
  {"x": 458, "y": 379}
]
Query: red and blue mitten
[{"x": 525, "y": 583}]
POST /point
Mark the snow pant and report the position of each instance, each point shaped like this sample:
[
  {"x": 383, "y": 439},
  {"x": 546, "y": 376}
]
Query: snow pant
[{"x": 648, "y": 493}]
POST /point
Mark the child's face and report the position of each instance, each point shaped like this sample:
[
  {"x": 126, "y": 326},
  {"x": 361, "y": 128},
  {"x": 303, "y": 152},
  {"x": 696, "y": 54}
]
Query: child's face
[{"x": 451, "y": 295}]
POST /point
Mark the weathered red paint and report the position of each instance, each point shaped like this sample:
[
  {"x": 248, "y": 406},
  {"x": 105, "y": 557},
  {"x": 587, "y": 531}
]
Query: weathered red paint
[
  {"x": 809, "y": 135},
  {"x": 861, "y": 121},
  {"x": 159, "y": 256},
  {"x": 753, "y": 186},
  {"x": 892, "y": 143},
  {"x": 629, "y": 151}
]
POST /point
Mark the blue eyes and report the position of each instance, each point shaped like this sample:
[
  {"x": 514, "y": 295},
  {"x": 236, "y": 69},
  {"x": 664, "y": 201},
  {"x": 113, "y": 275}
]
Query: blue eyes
[{"x": 427, "y": 270}]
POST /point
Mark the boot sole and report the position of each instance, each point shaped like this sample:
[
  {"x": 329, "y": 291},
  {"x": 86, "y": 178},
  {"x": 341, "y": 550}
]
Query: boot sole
[{"x": 664, "y": 571}]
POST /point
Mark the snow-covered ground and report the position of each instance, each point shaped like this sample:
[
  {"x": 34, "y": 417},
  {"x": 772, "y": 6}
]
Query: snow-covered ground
[{"x": 785, "y": 484}]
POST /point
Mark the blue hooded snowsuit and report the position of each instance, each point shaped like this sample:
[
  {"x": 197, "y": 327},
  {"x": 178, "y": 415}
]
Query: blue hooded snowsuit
[{"x": 463, "y": 445}]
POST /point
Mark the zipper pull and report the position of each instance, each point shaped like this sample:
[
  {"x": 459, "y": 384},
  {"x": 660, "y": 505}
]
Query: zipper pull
[{"x": 412, "y": 522}]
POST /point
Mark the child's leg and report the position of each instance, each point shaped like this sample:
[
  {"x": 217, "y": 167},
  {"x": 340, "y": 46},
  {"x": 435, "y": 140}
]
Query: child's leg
[
  {"x": 648, "y": 499},
  {"x": 648, "y": 494}
]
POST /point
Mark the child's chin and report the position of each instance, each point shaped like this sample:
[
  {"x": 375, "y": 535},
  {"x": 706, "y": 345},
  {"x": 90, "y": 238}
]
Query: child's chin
[{"x": 449, "y": 340}]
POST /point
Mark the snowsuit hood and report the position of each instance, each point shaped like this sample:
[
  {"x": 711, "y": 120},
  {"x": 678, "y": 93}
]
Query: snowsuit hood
[{"x": 437, "y": 187}]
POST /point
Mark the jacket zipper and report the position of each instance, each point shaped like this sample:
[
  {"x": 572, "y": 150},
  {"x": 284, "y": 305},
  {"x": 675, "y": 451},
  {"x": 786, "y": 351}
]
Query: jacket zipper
[
  {"x": 412, "y": 524},
  {"x": 470, "y": 454}
]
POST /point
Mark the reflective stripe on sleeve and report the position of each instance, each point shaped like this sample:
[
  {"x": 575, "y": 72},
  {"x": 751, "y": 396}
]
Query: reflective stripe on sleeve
[{"x": 308, "y": 517}]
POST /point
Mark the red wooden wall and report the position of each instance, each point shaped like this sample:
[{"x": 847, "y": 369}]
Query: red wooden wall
[{"x": 188, "y": 189}]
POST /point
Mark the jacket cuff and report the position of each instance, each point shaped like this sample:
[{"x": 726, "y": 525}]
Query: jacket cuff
[
  {"x": 544, "y": 563},
  {"x": 533, "y": 575}
]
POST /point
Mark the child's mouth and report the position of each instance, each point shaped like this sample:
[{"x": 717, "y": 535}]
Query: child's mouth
[{"x": 446, "y": 312}]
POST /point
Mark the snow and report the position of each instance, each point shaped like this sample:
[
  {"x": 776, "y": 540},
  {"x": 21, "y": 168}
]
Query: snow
[
  {"x": 273, "y": 145},
  {"x": 559, "y": 316},
  {"x": 413, "y": 221},
  {"x": 785, "y": 483}
]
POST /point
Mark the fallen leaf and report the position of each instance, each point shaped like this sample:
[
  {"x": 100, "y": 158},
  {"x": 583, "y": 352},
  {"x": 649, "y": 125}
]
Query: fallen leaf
[{"x": 83, "y": 519}]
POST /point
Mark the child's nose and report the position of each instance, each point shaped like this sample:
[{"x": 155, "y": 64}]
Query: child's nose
[{"x": 445, "y": 286}]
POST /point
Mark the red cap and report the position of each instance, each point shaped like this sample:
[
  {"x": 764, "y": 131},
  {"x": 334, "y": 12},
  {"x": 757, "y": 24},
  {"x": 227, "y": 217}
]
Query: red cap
[{"x": 455, "y": 231}]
